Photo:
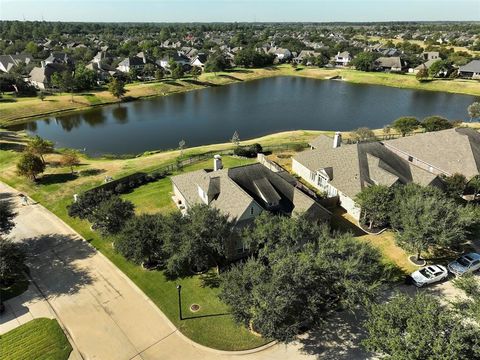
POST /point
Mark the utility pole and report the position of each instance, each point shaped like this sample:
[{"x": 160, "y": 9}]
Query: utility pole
[{"x": 179, "y": 288}]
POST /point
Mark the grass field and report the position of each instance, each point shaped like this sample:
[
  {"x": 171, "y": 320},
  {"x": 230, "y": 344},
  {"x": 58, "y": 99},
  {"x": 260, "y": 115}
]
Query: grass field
[
  {"x": 22, "y": 109},
  {"x": 39, "y": 339}
]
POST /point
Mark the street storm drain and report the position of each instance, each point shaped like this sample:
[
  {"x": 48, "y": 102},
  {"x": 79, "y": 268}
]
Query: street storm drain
[{"x": 194, "y": 307}]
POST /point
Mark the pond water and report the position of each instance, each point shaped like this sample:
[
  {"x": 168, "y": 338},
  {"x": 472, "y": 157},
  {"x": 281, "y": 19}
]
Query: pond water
[{"x": 252, "y": 108}]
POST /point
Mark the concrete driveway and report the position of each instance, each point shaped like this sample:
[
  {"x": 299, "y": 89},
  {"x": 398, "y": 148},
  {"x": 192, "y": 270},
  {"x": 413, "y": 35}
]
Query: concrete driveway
[{"x": 104, "y": 314}]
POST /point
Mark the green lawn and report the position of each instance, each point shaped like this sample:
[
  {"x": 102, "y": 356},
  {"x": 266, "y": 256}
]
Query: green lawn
[
  {"x": 157, "y": 196},
  {"x": 39, "y": 339}
]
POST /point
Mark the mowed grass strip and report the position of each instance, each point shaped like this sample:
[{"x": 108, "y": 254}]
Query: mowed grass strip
[{"x": 38, "y": 339}]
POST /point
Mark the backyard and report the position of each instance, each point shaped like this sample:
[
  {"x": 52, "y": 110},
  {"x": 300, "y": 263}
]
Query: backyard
[{"x": 40, "y": 339}]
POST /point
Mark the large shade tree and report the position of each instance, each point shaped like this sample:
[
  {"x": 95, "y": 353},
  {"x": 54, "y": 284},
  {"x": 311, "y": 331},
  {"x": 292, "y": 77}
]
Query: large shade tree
[
  {"x": 111, "y": 215},
  {"x": 405, "y": 124},
  {"x": 39, "y": 146},
  {"x": 375, "y": 202},
  {"x": 30, "y": 166},
  {"x": 297, "y": 276},
  {"x": 419, "y": 327}
]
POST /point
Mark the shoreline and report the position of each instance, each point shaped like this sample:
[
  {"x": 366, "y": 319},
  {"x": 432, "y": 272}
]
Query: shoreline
[{"x": 142, "y": 91}]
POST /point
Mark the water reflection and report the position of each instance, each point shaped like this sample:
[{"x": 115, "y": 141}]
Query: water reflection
[{"x": 253, "y": 108}]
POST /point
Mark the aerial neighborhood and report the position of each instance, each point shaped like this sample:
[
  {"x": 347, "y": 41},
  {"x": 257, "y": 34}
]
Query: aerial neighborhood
[{"x": 258, "y": 190}]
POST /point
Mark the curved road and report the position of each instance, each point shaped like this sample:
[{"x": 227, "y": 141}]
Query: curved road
[{"x": 104, "y": 314}]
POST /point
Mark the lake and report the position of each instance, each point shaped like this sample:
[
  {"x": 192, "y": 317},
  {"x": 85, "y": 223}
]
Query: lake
[{"x": 252, "y": 108}]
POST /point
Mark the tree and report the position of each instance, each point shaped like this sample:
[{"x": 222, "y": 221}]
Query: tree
[
  {"x": 375, "y": 202},
  {"x": 422, "y": 74},
  {"x": 419, "y": 327},
  {"x": 365, "y": 61},
  {"x": 110, "y": 215},
  {"x": 70, "y": 158},
  {"x": 176, "y": 69},
  {"x": 141, "y": 239},
  {"x": 148, "y": 70},
  {"x": 474, "y": 111},
  {"x": 84, "y": 79},
  {"x": 405, "y": 124},
  {"x": 362, "y": 134},
  {"x": 196, "y": 72},
  {"x": 424, "y": 217},
  {"x": 454, "y": 185},
  {"x": 198, "y": 241},
  {"x": 437, "y": 68},
  {"x": 216, "y": 62},
  {"x": 64, "y": 81},
  {"x": 6, "y": 217},
  {"x": 474, "y": 184},
  {"x": 39, "y": 147},
  {"x": 117, "y": 88},
  {"x": 235, "y": 139},
  {"x": 159, "y": 74},
  {"x": 435, "y": 123},
  {"x": 12, "y": 261},
  {"x": 30, "y": 165},
  {"x": 298, "y": 276},
  {"x": 87, "y": 203}
]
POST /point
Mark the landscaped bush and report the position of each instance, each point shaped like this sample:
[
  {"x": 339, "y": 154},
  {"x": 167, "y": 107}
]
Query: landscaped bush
[{"x": 248, "y": 151}]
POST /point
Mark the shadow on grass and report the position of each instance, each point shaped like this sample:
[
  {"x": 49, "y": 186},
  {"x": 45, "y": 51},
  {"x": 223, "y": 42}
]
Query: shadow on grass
[
  {"x": 204, "y": 316},
  {"x": 7, "y": 100},
  {"x": 200, "y": 83},
  {"x": 174, "y": 83},
  {"x": 210, "y": 279},
  {"x": 231, "y": 77},
  {"x": 91, "y": 172},
  {"x": 50, "y": 179},
  {"x": 13, "y": 147},
  {"x": 241, "y": 71}
]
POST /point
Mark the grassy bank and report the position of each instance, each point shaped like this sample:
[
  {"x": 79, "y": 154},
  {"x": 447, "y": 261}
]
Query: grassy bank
[
  {"x": 38, "y": 339},
  {"x": 22, "y": 109}
]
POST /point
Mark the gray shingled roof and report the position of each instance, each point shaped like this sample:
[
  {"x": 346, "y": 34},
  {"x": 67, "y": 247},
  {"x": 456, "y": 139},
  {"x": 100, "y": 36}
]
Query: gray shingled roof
[
  {"x": 358, "y": 165},
  {"x": 472, "y": 66},
  {"x": 452, "y": 151},
  {"x": 240, "y": 186}
]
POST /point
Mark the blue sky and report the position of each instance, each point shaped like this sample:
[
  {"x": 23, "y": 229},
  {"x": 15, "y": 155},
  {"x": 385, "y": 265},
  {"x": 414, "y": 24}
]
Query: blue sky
[{"x": 239, "y": 10}]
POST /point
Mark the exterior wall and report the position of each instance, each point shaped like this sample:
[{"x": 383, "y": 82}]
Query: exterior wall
[
  {"x": 349, "y": 205},
  {"x": 253, "y": 210},
  {"x": 345, "y": 202},
  {"x": 179, "y": 196},
  {"x": 38, "y": 85}
]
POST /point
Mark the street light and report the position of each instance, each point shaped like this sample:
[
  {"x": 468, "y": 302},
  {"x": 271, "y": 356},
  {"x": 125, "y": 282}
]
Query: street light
[{"x": 179, "y": 288}]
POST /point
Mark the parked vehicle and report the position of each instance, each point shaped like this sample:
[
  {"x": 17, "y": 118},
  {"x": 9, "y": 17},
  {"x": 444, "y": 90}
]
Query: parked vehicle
[
  {"x": 465, "y": 264},
  {"x": 429, "y": 275}
]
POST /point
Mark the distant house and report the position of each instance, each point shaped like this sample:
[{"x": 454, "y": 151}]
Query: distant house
[
  {"x": 343, "y": 58},
  {"x": 390, "y": 64},
  {"x": 243, "y": 192},
  {"x": 342, "y": 171},
  {"x": 430, "y": 55},
  {"x": 177, "y": 57},
  {"x": 199, "y": 60},
  {"x": 131, "y": 62},
  {"x": 7, "y": 62},
  {"x": 40, "y": 77},
  {"x": 59, "y": 58},
  {"x": 426, "y": 65},
  {"x": 280, "y": 53},
  {"x": 471, "y": 70},
  {"x": 305, "y": 54}
]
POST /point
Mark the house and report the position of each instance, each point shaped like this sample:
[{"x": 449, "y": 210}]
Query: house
[
  {"x": 343, "y": 58},
  {"x": 470, "y": 70},
  {"x": 40, "y": 76},
  {"x": 430, "y": 55},
  {"x": 342, "y": 171},
  {"x": 426, "y": 65},
  {"x": 280, "y": 53},
  {"x": 177, "y": 57},
  {"x": 390, "y": 64},
  {"x": 304, "y": 55},
  {"x": 59, "y": 58},
  {"x": 244, "y": 192},
  {"x": 445, "y": 152},
  {"x": 7, "y": 62},
  {"x": 199, "y": 60},
  {"x": 131, "y": 62}
]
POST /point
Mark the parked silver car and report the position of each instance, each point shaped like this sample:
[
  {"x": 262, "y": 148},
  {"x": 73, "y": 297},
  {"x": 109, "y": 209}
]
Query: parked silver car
[
  {"x": 464, "y": 264},
  {"x": 429, "y": 275}
]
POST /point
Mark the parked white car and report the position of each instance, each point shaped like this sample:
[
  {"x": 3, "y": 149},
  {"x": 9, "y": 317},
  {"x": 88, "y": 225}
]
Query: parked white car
[
  {"x": 429, "y": 275},
  {"x": 465, "y": 264}
]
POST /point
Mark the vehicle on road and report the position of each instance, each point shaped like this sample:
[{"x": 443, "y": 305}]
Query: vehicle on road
[
  {"x": 429, "y": 275},
  {"x": 465, "y": 264}
]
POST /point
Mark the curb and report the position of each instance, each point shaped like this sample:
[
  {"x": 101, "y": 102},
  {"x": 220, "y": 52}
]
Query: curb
[{"x": 145, "y": 297}]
